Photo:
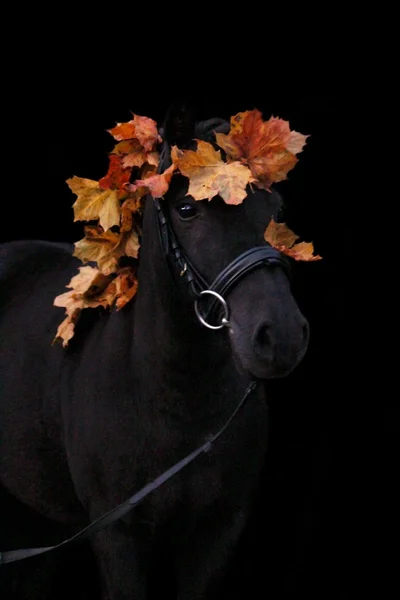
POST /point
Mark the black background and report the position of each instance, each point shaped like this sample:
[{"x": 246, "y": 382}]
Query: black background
[{"x": 300, "y": 540}]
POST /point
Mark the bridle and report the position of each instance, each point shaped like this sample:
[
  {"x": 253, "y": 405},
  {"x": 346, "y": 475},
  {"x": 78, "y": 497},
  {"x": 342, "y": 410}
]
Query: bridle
[
  {"x": 217, "y": 307},
  {"x": 181, "y": 266}
]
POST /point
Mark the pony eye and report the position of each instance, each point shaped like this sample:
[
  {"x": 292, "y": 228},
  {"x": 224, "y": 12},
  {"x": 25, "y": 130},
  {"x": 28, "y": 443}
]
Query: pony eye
[{"x": 186, "y": 210}]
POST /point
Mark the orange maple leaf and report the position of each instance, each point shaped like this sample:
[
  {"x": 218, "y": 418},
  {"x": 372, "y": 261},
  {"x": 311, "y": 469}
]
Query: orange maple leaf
[
  {"x": 267, "y": 147},
  {"x": 210, "y": 176},
  {"x": 146, "y": 132},
  {"x": 140, "y": 128},
  {"x": 283, "y": 239},
  {"x": 123, "y": 131},
  {"x": 134, "y": 155},
  {"x": 157, "y": 185},
  {"x": 117, "y": 175}
]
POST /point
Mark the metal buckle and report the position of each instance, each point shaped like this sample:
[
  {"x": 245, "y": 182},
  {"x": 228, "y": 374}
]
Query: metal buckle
[{"x": 224, "y": 321}]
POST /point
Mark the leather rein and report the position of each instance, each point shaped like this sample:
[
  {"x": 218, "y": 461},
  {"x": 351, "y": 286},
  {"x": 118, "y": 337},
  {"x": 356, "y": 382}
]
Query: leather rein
[{"x": 216, "y": 307}]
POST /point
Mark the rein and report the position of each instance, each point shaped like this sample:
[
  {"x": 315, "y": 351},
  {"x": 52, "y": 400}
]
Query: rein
[
  {"x": 198, "y": 288},
  {"x": 125, "y": 507}
]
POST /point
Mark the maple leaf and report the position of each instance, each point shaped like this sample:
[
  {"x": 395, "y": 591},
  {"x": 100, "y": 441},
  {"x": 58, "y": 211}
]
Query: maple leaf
[
  {"x": 123, "y": 131},
  {"x": 132, "y": 205},
  {"x": 146, "y": 132},
  {"x": 157, "y": 185},
  {"x": 283, "y": 239},
  {"x": 140, "y": 128},
  {"x": 296, "y": 142},
  {"x": 117, "y": 174},
  {"x": 87, "y": 283},
  {"x": 66, "y": 329},
  {"x": 267, "y": 147},
  {"x": 210, "y": 176},
  {"x": 94, "y": 202},
  {"x": 102, "y": 247},
  {"x": 125, "y": 286},
  {"x": 134, "y": 155}
]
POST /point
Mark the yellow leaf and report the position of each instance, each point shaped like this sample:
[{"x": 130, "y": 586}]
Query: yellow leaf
[
  {"x": 66, "y": 329},
  {"x": 93, "y": 202},
  {"x": 210, "y": 176},
  {"x": 279, "y": 235},
  {"x": 102, "y": 247},
  {"x": 283, "y": 239}
]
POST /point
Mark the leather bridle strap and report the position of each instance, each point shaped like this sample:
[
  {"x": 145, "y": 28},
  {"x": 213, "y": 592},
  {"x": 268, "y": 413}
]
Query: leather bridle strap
[
  {"x": 260, "y": 256},
  {"x": 125, "y": 507}
]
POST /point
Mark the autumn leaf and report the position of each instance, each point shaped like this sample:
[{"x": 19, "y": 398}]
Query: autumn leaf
[
  {"x": 267, "y": 147},
  {"x": 296, "y": 142},
  {"x": 283, "y": 239},
  {"x": 146, "y": 132},
  {"x": 131, "y": 244},
  {"x": 210, "y": 176},
  {"x": 123, "y": 131},
  {"x": 126, "y": 285},
  {"x": 134, "y": 155},
  {"x": 117, "y": 175},
  {"x": 94, "y": 202},
  {"x": 140, "y": 128},
  {"x": 157, "y": 185},
  {"x": 102, "y": 247},
  {"x": 87, "y": 283},
  {"x": 132, "y": 205},
  {"x": 66, "y": 329}
]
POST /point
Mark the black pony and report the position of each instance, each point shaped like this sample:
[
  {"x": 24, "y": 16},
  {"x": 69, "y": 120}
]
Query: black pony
[{"x": 84, "y": 427}]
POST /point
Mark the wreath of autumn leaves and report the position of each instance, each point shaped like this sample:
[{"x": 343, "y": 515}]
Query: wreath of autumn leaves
[{"x": 256, "y": 152}]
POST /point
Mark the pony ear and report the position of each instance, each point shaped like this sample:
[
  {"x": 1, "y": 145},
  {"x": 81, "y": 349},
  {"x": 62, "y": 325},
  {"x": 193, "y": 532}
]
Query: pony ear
[{"x": 179, "y": 124}]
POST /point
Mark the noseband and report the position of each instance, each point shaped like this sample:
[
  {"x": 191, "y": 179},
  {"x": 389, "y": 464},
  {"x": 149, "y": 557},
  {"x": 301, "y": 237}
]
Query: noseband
[{"x": 218, "y": 290}]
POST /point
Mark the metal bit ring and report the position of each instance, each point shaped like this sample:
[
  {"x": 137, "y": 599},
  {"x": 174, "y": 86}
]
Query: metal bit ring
[{"x": 224, "y": 321}]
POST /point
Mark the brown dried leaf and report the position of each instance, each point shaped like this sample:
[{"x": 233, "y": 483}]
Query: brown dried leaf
[
  {"x": 85, "y": 285},
  {"x": 102, "y": 247},
  {"x": 126, "y": 285},
  {"x": 283, "y": 239},
  {"x": 89, "y": 281},
  {"x": 66, "y": 329}
]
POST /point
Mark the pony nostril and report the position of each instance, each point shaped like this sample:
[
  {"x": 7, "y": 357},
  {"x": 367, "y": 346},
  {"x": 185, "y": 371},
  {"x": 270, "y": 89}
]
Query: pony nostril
[{"x": 262, "y": 337}]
